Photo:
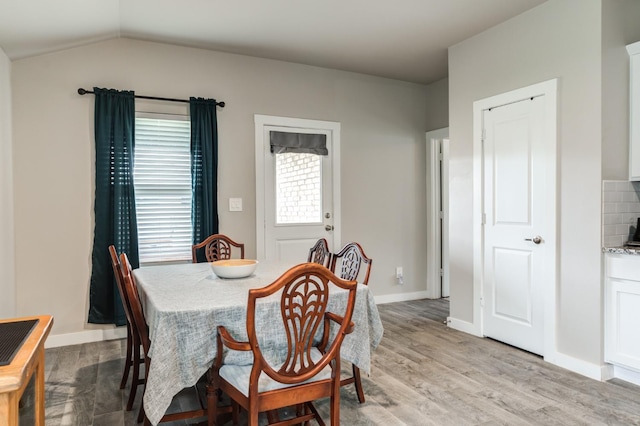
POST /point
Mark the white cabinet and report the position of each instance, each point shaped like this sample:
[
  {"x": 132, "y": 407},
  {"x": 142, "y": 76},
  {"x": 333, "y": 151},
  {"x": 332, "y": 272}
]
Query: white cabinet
[
  {"x": 622, "y": 310},
  {"x": 634, "y": 110}
]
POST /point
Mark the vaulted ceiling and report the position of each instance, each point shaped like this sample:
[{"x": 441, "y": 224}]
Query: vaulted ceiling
[{"x": 403, "y": 39}]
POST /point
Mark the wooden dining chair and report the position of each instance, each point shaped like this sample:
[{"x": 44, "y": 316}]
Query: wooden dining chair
[
  {"x": 320, "y": 253},
  {"x": 349, "y": 261},
  {"x": 311, "y": 368},
  {"x": 133, "y": 358},
  {"x": 216, "y": 247},
  {"x": 140, "y": 327}
]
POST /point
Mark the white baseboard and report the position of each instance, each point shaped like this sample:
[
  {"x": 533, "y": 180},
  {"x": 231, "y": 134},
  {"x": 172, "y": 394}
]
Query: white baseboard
[
  {"x": 464, "y": 326},
  {"x": 400, "y": 297},
  {"x": 587, "y": 369},
  {"x": 88, "y": 336},
  {"x": 608, "y": 372},
  {"x": 626, "y": 374}
]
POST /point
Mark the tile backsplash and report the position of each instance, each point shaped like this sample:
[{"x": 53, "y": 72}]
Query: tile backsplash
[{"x": 620, "y": 211}]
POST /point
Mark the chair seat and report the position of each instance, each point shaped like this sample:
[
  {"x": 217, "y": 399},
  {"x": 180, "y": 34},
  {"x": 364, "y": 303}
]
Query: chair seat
[{"x": 239, "y": 376}]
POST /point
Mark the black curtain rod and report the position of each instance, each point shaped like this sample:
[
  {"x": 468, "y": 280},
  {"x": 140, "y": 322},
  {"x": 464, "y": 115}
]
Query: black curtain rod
[{"x": 82, "y": 91}]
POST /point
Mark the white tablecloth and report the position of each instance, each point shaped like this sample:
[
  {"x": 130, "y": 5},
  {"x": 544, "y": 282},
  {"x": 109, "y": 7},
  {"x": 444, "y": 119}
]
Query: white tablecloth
[{"x": 183, "y": 304}]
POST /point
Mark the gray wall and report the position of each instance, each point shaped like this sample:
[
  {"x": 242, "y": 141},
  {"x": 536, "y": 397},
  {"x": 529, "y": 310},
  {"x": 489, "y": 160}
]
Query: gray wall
[
  {"x": 7, "y": 269},
  {"x": 558, "y": 39},
  {"x": 383, "y": 156},
  {"x": 438, "y": 104}
]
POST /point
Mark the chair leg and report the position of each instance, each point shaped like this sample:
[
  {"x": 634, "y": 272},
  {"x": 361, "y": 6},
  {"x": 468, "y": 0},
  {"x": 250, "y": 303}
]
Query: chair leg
[
  {"x": 335, "y": 404},
  {"x": 141, "y": 415},
  {"x": 252, "y": 413},
  {"x": 301, "y": 410},
  {"x": 309, "y": 408},
  {"x": 305, "y": 410},
  {"x": 272, "y": 416},
  {"x": 358, "y": 383},
  {"x": 212, "y": 404},
  {"x": 128, "y": 359},
  {"x": 235, "y": 412},
  {"x": 135, "y": 381}
]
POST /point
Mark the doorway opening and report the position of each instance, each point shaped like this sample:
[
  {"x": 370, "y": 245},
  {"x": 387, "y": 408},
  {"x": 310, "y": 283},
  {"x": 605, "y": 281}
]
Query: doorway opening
[{"x": 437, "y": 213}]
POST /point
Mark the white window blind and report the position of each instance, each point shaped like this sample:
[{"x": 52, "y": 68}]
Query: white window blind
[{"x": 162, "y": 179}]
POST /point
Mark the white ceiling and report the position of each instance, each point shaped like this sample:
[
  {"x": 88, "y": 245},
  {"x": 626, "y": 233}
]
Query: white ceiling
[{"x": 401, "y": 39}]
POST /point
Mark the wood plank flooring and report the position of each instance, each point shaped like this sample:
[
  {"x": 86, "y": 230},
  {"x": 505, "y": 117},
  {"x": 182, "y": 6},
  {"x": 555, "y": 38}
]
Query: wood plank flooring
[{"x": 423, "y": 374}]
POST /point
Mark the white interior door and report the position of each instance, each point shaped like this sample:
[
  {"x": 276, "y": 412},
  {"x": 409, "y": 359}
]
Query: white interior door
[
  {"x": 299, "y": 203},
  {"x": 516, "y": 204}
]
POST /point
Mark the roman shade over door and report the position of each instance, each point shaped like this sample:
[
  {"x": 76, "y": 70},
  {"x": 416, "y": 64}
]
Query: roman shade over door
[
  {"x": 115, "y": 214},
  {"x": 301, "y": 143}
]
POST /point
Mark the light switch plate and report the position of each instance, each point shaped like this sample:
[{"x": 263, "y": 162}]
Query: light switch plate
[{"x": 235, "y": 204}]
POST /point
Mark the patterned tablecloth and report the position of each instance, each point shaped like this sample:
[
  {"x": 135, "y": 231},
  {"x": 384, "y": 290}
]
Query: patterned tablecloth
[{"x": 183, "y": 304}]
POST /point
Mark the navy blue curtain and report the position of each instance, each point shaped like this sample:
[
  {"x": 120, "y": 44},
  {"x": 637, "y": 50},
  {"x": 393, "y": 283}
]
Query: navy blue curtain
[
  {"x": 204, "y": 168},
  {"x": 114, "y": 207}
]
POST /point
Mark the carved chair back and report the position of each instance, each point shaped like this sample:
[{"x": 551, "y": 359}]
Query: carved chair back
[
  {"x": 351, "y": 259},
  {"x": 216, "y": 247},
  {"x": 320, "y": 253},
  {"x": 303, "y": 304}
]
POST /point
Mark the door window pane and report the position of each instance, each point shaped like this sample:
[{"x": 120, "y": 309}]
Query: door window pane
[{"x": 298, "y": 188}]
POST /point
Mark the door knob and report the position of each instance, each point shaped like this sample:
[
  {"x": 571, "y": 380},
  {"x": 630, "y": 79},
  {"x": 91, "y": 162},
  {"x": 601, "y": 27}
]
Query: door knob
[
  {"x": 537, "y": 239},
  {"x": 328, "y": 228}
]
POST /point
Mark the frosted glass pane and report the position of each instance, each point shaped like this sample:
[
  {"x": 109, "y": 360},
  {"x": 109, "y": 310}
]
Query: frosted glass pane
[{"x": 298, "y": 188}]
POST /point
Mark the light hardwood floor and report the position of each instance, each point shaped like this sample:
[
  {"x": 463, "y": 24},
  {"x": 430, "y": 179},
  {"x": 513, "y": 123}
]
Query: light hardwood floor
[{"x": 424, "y": 373}]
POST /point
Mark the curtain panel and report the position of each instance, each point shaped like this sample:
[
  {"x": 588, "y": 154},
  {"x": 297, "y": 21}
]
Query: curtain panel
[
  {"x": 114, "y": 207},
  {"x": 204, "y": 169}
]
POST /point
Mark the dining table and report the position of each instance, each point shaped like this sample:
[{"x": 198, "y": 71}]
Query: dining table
[{"x": 184, "y": 303}]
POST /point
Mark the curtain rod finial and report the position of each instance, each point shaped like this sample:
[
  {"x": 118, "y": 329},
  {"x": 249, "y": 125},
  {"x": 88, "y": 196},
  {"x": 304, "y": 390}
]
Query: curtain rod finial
[
  {"x": 81, "y": 91},
  {"x": 221, "y": 104}
]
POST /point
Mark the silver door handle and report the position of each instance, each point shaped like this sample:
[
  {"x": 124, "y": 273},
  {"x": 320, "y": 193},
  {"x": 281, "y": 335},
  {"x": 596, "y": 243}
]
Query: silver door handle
[
  {"x": 537, "y": 239},
  {"x": 328, "y": 228}
]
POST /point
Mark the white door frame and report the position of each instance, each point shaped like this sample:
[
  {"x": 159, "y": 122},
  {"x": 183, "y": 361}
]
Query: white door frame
[
  {"x": 548, "y": 90},
  {"x": 437, "y": 187},
  {"x": 260, "y": 121}
]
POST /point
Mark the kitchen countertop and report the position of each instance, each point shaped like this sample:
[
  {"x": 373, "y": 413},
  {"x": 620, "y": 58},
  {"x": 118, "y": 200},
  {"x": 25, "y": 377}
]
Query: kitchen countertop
[{"x": 622, "y": 250}]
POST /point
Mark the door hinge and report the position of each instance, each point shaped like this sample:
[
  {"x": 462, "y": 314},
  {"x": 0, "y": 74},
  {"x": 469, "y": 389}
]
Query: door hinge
[
  {"x": 482, "y": 302},
  {"x": 484, "y": 218},
  {"x": 441, "y": 272},
  {"x": 440, "y": 215},
  {"x": 484, "y": 134},
  {"x": 440, "y": 157}
]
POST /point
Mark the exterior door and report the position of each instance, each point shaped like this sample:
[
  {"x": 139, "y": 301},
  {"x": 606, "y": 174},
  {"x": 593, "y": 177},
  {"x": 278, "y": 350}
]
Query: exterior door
[
  {"x": 515, "y": 169},
  {"x": 299, "y": 204}
]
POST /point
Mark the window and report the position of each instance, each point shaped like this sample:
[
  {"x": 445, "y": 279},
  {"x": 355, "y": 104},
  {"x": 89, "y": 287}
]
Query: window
[
  {"x": 162, "y": 180},
  {"x": 298, "y": 188}
]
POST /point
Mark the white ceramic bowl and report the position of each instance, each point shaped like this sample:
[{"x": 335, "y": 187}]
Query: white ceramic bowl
[{"x": 234, "y": 268}]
